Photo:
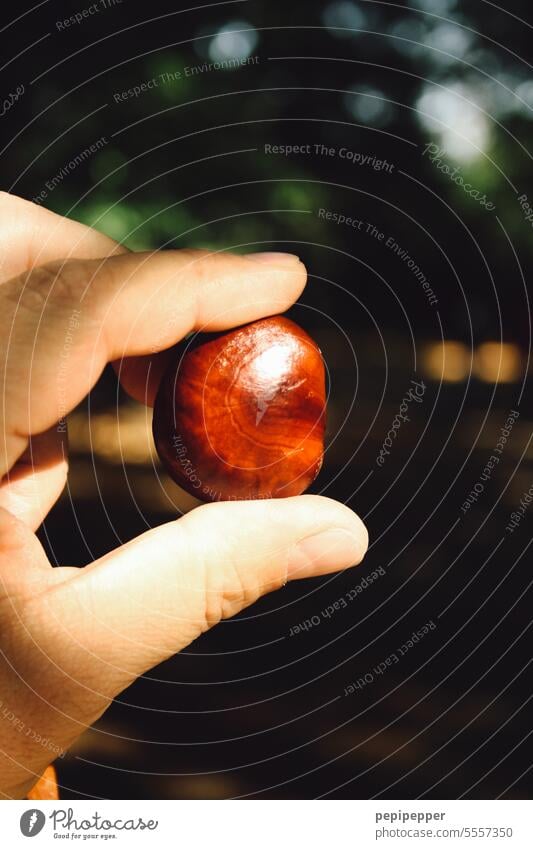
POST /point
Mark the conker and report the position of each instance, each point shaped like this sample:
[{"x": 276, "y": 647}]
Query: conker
[{"x": 241, "y": 415}]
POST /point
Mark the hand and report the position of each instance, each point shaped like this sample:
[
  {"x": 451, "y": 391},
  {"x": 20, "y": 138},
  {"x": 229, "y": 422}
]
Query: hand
[{"x": 72, "y": 639}]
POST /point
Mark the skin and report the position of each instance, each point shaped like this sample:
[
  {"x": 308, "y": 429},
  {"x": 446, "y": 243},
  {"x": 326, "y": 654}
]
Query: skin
[{"x": 72, "y": 639}]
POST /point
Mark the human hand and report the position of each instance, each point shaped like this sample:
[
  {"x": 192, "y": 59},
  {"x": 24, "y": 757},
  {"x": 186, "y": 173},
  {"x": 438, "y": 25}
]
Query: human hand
[{"x": 72, "y": 639}]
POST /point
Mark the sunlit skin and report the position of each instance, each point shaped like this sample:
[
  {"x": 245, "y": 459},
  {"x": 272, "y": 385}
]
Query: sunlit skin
[
  {"x": 72, "y": 639},
  {"x": 241, "y": 414}
]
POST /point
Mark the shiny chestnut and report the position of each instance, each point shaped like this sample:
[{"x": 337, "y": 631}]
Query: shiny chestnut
[{"x": 241, "y": 415}]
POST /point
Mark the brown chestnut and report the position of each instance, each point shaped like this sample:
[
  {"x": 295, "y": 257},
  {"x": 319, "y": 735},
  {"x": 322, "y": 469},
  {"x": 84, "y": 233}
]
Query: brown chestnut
[{"x": 241, "y": 415}]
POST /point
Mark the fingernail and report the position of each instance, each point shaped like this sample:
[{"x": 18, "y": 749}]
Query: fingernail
[
  {"x": 325, "y": 552},
  {"x": 274, "y": 258}
]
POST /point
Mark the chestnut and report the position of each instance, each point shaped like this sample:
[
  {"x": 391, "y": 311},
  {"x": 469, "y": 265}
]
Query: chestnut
[{"x": 241, "y": 415}]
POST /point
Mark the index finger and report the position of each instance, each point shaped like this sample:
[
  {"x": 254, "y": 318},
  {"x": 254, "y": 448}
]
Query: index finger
[
  {"x": 63, "y": 322},
  {"x": 31, "y": 235}
]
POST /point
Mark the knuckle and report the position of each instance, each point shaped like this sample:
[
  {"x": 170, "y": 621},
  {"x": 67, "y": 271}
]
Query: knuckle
[
  {"x": 212, "y": 263},
  {"x": 231, "y": 586},
  {"x": 202, "y": 265},
  {"x": 232, "y": 563},
  {"x": 225, "y": 592},
  {"x": 63, "y": 283},
  {"x": 57, "y": 285}
]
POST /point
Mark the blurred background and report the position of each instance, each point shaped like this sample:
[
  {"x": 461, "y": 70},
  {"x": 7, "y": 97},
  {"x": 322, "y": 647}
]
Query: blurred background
[{"x": 406, "y": 197}]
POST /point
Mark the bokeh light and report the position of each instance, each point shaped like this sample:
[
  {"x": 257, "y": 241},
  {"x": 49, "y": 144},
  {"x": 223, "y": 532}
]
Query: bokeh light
[
  {"x": 369, "y": 105},
  {"x": 496, "y": 362},
  {"x": 342, "y": 17},
  {"x": 235, "y": 40},
  {"x": 448, "y": 361},
  {"x": 454, "y": 116}
]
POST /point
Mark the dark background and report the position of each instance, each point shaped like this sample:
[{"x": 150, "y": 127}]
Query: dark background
[{"x": 248, "y": 710}]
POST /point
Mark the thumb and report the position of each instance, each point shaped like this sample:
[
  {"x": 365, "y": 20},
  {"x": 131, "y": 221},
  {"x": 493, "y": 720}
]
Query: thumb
[{"x": 144, "y": 602}]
